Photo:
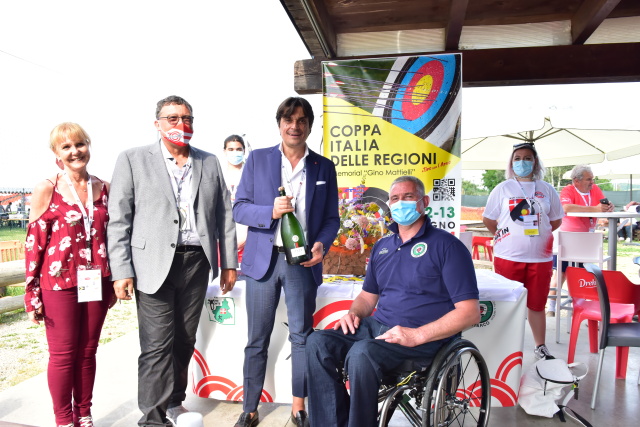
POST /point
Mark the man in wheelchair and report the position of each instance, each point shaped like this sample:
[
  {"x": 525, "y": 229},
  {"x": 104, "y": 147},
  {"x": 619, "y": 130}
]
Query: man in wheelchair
[{"x": 420, "y": 292}]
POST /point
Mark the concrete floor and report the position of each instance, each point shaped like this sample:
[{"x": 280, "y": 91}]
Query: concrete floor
[{"x": 29, "y": 403}]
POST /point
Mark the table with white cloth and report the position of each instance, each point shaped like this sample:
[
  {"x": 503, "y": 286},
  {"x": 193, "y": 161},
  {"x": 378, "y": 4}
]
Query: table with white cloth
[
  {"x": 216, "y": 368},
  {"x": 613, "y": 218}
]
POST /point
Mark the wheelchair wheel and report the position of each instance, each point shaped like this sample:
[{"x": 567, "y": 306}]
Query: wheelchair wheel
[
  {"x": 458, "y": 388},
  {"x": 389, "y": 398}
]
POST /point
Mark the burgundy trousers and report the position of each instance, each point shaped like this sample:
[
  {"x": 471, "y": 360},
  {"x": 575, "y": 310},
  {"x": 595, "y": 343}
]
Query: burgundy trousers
[{"x": 73, "y": 330}]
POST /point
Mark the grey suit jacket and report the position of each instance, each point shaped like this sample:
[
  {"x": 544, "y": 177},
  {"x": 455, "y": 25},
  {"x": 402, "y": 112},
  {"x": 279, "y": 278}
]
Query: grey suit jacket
[{"x": 143, "y": 218}]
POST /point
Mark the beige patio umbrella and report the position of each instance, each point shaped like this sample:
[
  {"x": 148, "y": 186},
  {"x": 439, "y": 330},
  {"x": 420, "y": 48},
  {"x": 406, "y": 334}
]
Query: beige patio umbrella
[{"x": 555, "y": 146}]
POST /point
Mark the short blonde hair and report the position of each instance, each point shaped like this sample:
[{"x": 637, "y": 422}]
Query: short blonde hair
[{"x": 67, "y": 130}]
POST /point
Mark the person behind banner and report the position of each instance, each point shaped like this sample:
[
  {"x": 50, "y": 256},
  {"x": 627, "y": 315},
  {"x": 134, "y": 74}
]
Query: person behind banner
[
  {"x": 234, "y": 150},
  {"x": 582, "y": 195},
  {"x": 311, "y": 187},
  {"x": 522, "y": 213},
  {"x": 420, "y": 291},
  {"x": 170, "y": 217},
  {"x": 66, "y": 245}
]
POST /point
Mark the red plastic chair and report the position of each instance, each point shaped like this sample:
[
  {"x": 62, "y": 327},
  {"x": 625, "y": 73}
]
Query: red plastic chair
[
  {"x": 625, "y": 301},
  {"x": 486, "y": 243}
]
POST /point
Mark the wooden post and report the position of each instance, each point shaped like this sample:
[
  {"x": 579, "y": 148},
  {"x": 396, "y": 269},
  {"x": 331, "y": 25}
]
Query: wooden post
[
  {"x": 11, "y": 303},
  {"x": 11, "y": 273}
]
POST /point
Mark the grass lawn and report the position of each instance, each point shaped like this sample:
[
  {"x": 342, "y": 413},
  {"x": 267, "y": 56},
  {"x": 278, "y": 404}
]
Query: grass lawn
[{"x": 7, "y": 233}]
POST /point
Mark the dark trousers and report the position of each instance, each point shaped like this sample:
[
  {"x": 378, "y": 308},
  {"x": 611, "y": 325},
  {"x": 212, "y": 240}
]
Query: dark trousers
[
  {"x": 168, "y": 321},
  {"x": 73, "y": 331},
  {"x": 365, "y": 360},
  {"x": 263, "y": 296}
]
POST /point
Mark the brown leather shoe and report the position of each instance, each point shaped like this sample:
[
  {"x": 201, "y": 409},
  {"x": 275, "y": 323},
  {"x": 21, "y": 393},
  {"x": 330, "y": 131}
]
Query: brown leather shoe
[{"x": 300, "y": 419}]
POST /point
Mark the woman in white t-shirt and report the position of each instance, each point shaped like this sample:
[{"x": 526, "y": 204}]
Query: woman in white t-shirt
[
  {"x": 234, "y": 150},
  {"x": 522, "y": 212}
]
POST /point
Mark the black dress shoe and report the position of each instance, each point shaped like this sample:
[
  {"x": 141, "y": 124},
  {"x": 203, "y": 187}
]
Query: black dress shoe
[
  {"x": 245, "y": 420},
  {"x": 300, "y": 419}
]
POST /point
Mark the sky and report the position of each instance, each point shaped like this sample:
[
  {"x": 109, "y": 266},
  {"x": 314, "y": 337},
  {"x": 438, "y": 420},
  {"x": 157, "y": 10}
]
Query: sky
[{"x": 105, "y": 65}]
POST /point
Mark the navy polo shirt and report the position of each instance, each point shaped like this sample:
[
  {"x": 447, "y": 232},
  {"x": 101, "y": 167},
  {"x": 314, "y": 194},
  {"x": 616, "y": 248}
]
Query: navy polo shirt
[{"x": 420, "y": 280}]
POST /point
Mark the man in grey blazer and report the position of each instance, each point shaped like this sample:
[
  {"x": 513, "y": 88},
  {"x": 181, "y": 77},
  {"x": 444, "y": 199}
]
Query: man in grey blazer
[{"x": 170, "y": 223}]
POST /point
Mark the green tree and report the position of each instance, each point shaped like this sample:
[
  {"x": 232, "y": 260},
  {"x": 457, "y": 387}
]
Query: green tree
[
  {"x": 604, "y": 184},
  {"x": 491, "y": 178},
  {"x": 554, "y": 174},
  {"x": 472, "y": 189}
]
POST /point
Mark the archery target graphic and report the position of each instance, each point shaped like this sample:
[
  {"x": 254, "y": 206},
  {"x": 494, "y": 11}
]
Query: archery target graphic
[{"x": 423, "y": 91}]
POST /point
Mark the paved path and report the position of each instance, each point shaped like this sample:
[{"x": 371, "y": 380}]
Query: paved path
[{"x": 29, "y": 403}]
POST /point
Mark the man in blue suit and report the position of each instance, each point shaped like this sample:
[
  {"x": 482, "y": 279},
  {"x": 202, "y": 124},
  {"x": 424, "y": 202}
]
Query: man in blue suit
[{"x": 312, "y": 194}]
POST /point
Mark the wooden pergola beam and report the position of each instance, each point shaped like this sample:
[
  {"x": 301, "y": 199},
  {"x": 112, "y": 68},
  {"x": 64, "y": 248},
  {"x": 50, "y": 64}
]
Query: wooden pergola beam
[
  {"x": 314, "y": 25},
  {"x": 618, "y": 62},
  {"x": 454, "y": 26},
  {"x": 588, "y": 18}
]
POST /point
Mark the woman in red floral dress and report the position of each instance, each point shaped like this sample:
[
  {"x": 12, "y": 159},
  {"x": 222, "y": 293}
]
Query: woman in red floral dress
[{"x": 66, "y": 242}]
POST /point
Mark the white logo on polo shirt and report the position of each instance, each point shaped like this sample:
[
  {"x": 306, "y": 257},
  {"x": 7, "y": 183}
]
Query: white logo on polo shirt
[{"x": 419, "y": 249}]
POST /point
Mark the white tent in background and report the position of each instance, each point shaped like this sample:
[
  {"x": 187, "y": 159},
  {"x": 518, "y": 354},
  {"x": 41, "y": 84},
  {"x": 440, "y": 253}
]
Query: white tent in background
[{"x": 555, "y": 146}]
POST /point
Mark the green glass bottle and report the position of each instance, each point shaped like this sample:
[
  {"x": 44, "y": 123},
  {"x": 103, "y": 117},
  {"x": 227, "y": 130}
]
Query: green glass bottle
[{"x": 295, "y": 245}]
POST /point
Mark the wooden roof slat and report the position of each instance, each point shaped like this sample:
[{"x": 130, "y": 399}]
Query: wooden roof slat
[
  {"x": 454, "y": 26},
  {"x": 591, "y": 63},
  {"x": 588, "y": 17}
]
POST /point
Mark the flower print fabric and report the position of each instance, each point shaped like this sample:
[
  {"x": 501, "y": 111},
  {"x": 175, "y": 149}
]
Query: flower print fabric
[{"x": 56, "y": 246}]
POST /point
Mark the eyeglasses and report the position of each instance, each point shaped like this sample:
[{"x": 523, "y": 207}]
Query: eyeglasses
[{"x": 173, "y": 120}]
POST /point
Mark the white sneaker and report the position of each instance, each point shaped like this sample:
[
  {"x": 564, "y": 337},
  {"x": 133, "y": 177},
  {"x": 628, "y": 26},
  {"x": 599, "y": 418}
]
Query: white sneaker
[
  {"x": 175, "y": 412},
  {"x": 85, "y": 421},
  {"x": 542, "y": 352},
  {"x": 627, "y": 240}
]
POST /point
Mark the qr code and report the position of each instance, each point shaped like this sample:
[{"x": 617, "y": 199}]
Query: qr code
[{"x": 444, "y": 190}]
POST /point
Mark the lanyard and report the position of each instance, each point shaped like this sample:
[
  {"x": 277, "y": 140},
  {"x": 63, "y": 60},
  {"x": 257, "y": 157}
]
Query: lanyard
[
  {"x": 87, "y": 215},
  {"x": 587, "y": 201},
  {"x": 176, "y": 182},
  {"x": 533, "y": 199},
  {"x": 288, "y": 179}
]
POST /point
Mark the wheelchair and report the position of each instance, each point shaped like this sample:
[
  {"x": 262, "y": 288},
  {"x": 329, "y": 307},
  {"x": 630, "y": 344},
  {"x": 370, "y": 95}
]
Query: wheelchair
[{"x": 454, "y": 390}]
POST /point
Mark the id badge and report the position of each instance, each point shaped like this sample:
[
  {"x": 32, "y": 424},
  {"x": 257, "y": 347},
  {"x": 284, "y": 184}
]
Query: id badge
[
  {"x": 530, "y": 225},
  {"x": 89, "y": 285},
  {"x": 185, "y": 221}
]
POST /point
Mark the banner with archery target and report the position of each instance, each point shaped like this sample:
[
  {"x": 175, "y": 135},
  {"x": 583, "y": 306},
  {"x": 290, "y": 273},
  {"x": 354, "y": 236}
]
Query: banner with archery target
[{"x": 388, "y": 117}]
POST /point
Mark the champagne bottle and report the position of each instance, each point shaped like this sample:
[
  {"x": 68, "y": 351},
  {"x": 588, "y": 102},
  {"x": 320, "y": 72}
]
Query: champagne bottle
[{"x": 295, "y": 246}]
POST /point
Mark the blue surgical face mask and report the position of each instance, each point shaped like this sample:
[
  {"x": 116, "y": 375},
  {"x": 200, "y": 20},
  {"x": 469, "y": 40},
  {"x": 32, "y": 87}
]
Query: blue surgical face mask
[
  {"x": 235, "y": 157},
  {"x": 404, "y": 212},
  {"x": 523, "y": 168}
]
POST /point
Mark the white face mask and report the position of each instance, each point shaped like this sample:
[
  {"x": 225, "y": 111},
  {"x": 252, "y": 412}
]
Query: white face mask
[{"x": 235, "y": 157}]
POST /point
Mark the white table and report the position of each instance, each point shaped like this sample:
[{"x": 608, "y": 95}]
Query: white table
[
  {"x": 216, "y": 368},
  {"x": 613, "y": 229}
]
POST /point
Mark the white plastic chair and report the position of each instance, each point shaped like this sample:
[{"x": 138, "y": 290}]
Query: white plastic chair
[
  {"x": 466, "y": 237},
  {"x": 575, "y": 247}
]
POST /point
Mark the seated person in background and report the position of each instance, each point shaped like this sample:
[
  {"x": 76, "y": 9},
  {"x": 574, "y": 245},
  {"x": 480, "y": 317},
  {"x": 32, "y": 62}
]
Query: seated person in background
[
  {"x": 626, "y": 228},
  {"x": 635, "y": 225},
  {"x": 424, "y": 286},
  {"x": 582, "y": 195}
]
